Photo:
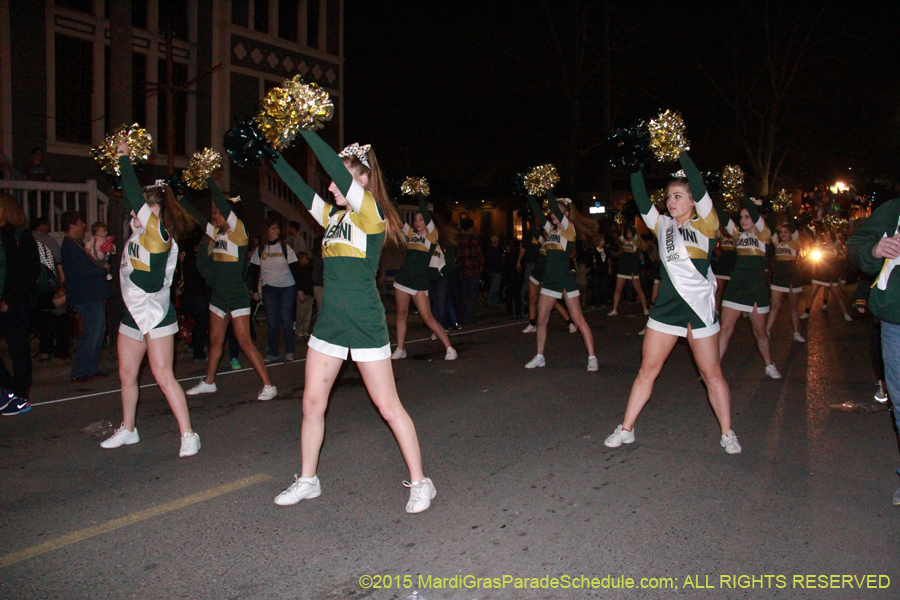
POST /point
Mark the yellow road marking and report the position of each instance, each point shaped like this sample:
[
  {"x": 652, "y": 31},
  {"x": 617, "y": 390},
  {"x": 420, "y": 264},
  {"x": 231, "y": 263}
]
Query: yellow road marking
[{"x": 141, "y": 515}]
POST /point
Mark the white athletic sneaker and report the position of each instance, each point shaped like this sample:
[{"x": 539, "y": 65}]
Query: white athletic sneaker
[
  {"x": 289, "y": 357},
  {"x": 433, "y": 337},
  {"x": 270, "y": 358},
  {"x": 537, "y": 361},
  {"x": 573, "y": 327},
  {"x": 730, "y": 442},
  {"x": 451, "y": 354},
  {"x": 121, "y": 437},
  {"x": 848, "y": 318},
  {"x": 421, "y": 493},
  {"x": 530, "y": 329},
  {"x": 267, "y": 393},
  {"x": 190, "y": 444},
  {"x": 201, "y": 388},
  {"x": 303, "y": 488},
  {"x": 772, "y": 372},
  {"x": 398, "y": 354},
  {"x": 593, "y": 365},
  {"x": 804, "y": 315},
  {"x": 619, "y": 437},
  {"x": 880, "y": 395},
  {"x": 612, "y": 313},
  {"x": 799, "y": 338}
]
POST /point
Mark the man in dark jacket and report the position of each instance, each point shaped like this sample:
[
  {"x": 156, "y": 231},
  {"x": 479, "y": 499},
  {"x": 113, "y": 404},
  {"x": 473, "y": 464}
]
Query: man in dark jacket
[
  {"x": 19, "y": 269},
  {"x": 87, "y": 291}
]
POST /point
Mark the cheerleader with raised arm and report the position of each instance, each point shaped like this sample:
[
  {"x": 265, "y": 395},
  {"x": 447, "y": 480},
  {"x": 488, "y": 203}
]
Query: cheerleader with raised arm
[
  {"x": 563, "y": 227},
  {"x": 748, "y": 290},
  {"x": 352, "y": 321},
  {"x": 685, "y": 306},
  {"x": 411, "y": 282},
  {"x": 230, "y": 300},
  {"x": 629, "y": 268},
  {"x": 724, "y": 266},
  {"x": 149, "y": 323},
  {"x": 827, "y": 271},
  {"x": 534, "y": 283},
  {"x": 786, "y": 278}
]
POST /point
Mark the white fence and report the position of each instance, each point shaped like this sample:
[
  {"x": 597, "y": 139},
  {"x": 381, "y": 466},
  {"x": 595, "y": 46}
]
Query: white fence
[{"x": 51, "y": 200}]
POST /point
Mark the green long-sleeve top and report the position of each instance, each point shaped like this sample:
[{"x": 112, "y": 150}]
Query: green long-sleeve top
[
  {"x": 750, "y": 246},
  {"x": 884, "y": 297},
  {"x": 147, "y": 250},
  {"x": 354, "y": 232}
]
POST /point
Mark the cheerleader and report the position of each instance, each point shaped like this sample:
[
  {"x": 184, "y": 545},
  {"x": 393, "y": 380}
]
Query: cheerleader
[
  {"x": 352, "y": 321},
  {"x": 230, "y": 299},
  {"x": 149, "y": 323},
  {"x": 747, "y": 290},
  {"x": 827, "y": 273},
  {"x": 724, "y": 267},
  {"x": 563, "y": 226},
  {"x": 686, "y": 303},
  {"x": 412, "y": 279},
  {"x": 535, "y": 281},
  {"x": 629, "y": 268},
  {"x": 786, "y": 279}
]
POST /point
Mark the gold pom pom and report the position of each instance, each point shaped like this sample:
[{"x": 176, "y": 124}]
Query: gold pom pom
[
  {"x": 294, "y": 106},
  {"x": 781, "y": 201},
  {"x": 409, "y": 186},
  {"x": 620, "y": 219},
  {"x": 732, "y": 188},
  {"x": 203, "y": 164},
  {"x": 836, "y": 225},
  {"x": 541, "y": 180},
  {"x": 667, "y": 136},
  {"x": 138, "y": 140},
  {"x": 659, "y": 198}
]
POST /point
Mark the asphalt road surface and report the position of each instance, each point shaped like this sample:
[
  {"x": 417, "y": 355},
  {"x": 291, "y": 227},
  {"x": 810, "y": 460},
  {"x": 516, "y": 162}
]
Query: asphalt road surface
[{"x": 527, "y": 495}]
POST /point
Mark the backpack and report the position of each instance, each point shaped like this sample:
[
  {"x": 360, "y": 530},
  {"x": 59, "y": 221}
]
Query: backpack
[{"x": 47, "y": 281}]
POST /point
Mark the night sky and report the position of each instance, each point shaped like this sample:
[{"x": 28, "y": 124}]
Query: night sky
[{"x": 469, "y": 93}]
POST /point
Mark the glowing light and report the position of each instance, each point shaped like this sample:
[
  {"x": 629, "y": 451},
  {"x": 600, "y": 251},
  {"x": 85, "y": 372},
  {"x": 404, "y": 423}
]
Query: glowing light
[
  {"x": 816, "y": 255},
  {"x": 838, "y": 187}
]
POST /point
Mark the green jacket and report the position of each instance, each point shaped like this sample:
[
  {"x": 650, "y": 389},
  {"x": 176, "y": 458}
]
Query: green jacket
[{"x": 884, "y": 303}]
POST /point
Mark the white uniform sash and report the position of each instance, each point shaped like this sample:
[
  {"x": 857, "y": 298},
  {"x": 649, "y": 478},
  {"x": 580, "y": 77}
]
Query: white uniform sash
[
  {"x": 889, "y": 264},
  {"x": 695, "y": 289},
  {"x": 148, "y": 309}
]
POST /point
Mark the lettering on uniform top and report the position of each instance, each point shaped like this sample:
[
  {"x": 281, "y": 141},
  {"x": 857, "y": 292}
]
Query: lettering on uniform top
[
  {"x": 221, "y": 244},
  {"x": 418, "y": 239},
  {"x": 264, "y": 255},
  {"x": 785, "y": 250},
  {"x": 554, "y": 238},
  {"x": 748, "y": 241},
  {"x": 689, "y": 235},
  {"x": 340, "y": 231},
  {"x": 134, "y": 250}
]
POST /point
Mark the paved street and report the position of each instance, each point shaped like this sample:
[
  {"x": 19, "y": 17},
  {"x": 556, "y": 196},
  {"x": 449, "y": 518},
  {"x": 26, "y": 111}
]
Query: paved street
[{"x": 526, "y": 488}]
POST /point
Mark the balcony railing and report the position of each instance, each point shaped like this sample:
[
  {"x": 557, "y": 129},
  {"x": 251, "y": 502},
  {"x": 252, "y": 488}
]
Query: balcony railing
[{"x": 52, "y": 199}]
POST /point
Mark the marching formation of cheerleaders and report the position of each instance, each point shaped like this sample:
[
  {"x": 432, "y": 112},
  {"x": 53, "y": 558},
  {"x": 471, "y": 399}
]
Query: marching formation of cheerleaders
[{"x": 695, "y": 296}]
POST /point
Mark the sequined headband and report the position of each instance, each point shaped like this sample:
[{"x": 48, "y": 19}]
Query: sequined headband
[{"x": 360, "y": 152}]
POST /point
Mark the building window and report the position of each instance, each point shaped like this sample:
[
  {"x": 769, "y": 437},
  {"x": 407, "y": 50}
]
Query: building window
[
  {"x": 82, "y": 6},
  {"x": 333, "y": 24},
  {"x": 179, "y": 78},
  {"x": 312, "y": 23},
  {"x": 261, "y": 16},
  {"x": 74, "y": 89},
  {"x": 173, "y": 14},
  {"x": 287, "y": 19},
  {"x": 240, "y": 12},
  {"x": 139, "y": 88}
]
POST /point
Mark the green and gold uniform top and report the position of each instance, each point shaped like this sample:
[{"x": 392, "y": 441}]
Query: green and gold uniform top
[
  {"x": 750, "y": 245},
  {"x": 790, "y": 249},
  {"x": 418, "y": 249},
  {"x": 633, "y": 245},
  {"x": 146, "y": 253}
]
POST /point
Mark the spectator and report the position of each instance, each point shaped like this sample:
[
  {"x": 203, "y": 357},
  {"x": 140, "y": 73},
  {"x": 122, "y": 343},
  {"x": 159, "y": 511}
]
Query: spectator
[
  {"x": 101, "y": 246},
  {"x": 40, "y": 230},
  {"x": 8, "y": 171},
  {"x": 36, "y": 169},
  {"x": 875, "y": 249},
  {"x": 469, "y": 263},
  {"x": 294, "y": 239},
  {"x": 494, "y": 263},
  {"x": 50, "y": 319},
  {"x": 87, "y": 291},
  {"x": 18, "y": 285}
]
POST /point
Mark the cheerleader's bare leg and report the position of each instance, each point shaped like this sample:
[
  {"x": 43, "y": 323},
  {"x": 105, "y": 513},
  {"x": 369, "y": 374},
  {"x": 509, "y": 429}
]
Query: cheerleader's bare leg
[
  {"x": 776, "y": 299},
  {"x": 545, "y": 307},
  {"x": 726, "y": 323},
  {"x": 436, "y": 328},
  {"x": 321, "y": 371},
  {"x": 161, "y": 353},
  {"x": 379, "y": 379},
  {"x": 706, "y": 355},
  {"x": 758, "y": 323},
  {"x": 578, "y": 318},
  {"x": 217, "y": 328},
  {"x": 401, "y": 298},
  {"x": 656, "y": 349},
  {"x": 131, "y": 355},
  {"x": 241, "y": 326}
]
